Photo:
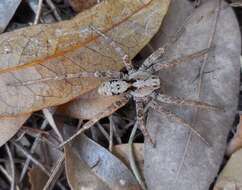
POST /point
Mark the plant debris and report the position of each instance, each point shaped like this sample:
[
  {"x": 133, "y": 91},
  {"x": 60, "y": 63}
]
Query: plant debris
[{"x": 60, "y": 57}]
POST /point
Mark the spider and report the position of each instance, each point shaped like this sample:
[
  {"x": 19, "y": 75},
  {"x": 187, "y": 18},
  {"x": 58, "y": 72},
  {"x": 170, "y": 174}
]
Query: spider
[{"x": 142, "y": 86}]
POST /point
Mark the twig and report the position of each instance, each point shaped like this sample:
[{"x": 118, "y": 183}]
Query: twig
[
  {"x": 128, "y": 125},
  {"x": 55, "y": 174},
  {"x": 53, "y": 9},
  {"x": 34, "y": 160},
  {"x": 12, "y": 166},
  {"x": 4, "y": 171},
  {"x": 103, "y": 131},
  {"x": 111, "y": 124},
  {"x": 116, "y": 134},
  {"x": 132, "y": 159},
  {"x": 80, "y": 122},
  {"x": 17, "y": 161},
  {"x": 51, "y": 121},
  {"x": 37, "y": 17},
  {"x": 32, "y": 150},
  {"x": 21, "y": 135}
]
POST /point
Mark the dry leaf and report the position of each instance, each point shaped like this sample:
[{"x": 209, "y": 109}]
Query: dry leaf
[
  {"x": 37, "y": 178},
  {"x": 236, "y": 141},
  {"x": 87, "y": 106},
  {"x": 79, "y": 174},
  {"x": 9, "y": 126},
  {"x": 93, "y": 159},
  {"x": 122, "y": 152},
  {"x": 80, "y": 5},
  {"x": 230, "y": 177},
  {"x": 181, "y": 160},
  {"x": 43, "y": 51}
]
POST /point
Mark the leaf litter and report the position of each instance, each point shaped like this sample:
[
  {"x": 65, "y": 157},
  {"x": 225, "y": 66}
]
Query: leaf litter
[{"x": 107, "y": 132}]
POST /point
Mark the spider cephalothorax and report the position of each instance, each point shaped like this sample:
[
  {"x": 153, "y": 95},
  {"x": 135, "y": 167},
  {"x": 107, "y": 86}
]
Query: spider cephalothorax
[{"x": 139, "y": 84}]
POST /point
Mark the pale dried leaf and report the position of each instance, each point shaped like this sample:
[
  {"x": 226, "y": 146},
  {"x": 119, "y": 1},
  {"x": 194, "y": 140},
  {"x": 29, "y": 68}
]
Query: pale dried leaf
[
  {"x": 37, "y": 178},
  {"x": 87, "y": 105},
  {"x": 49, "y": 116},
  {"x": 181, "y": 160},
  {"x": 71, "y": 46},
  {"x": 122, "y": 152},
  {"x": 9, "y": 126},
  {"x": 230, "y": 177},
  {"x": 79, "y": 174},
  {"x": 96, "y": 160}
]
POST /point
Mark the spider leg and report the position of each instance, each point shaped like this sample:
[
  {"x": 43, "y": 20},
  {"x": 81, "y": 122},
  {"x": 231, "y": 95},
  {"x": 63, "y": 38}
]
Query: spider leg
[
  {"x": 97, "y": 74},
  {"x": 182, "y": 102},
  {"x": 108, "y": 111},
  {"x": 152, "y": 58},
  {"x": 141, "y": 120},
  {"x": 126, "y": 60},
  {"x": 157, "y": 65},
  {"x": 154, "y": 105}
]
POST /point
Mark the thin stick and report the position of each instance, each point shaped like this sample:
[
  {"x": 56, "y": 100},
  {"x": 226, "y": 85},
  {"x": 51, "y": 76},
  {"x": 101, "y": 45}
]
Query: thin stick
[
  {"x": 51, "y": 121},
  {"x": 108, "y": 111},
  {"x": 117, "y": 136},
  {"x": 55, "y": 174},
  {"x": 33, "y": 131},
  {"x": 103, "y": 131},
  {"x": 33, "y": 159},
  {"x": 132, "y": 162},
  {"x": 17, "y": 161},
  {"x": 10, "y": 156},
  {"x": 54, "y": 9},
  {"x": 110, "y": 147},
  {"x": 37, "y": 17},
  {"x": 4, "y": 171},
  {"x": 32, "y": 150}
]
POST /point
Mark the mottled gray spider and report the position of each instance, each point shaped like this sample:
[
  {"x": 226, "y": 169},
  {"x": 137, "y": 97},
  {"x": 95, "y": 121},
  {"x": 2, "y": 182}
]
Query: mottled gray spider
[{"x": 141, "y": 85}]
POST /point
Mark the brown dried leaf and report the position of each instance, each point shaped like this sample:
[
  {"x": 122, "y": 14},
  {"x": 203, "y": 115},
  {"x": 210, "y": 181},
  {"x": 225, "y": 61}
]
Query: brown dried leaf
[
  {"x": 122, "y": 152},
  {"x": 87, "y": 106},
  {"x": 79, "y": 174},
  {"x": 91, "y": 166},
  {"x": 71, "y": 46},
  {"x": 181, "y": 160},
  {"x": 230, "y": 178},
  {"x": 37, "y": 178},
  {"x": 80, "y": 5},
  {"x": 9, "y": 126}
]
